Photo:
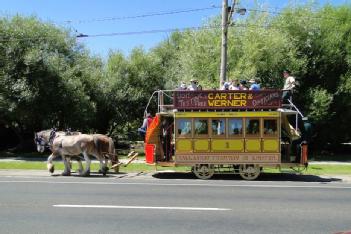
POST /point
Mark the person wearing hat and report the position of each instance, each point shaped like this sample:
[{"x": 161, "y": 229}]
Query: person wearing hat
[
  {"x": 289, "y": 85},
  {"x": 242, "y": 85},
  {"x": 254, "y": 86},
  {"x": 225, "y": 86},
  {"x": 193, "y": 85}
]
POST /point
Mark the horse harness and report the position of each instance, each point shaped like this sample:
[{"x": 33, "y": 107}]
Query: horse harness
[{"x": 39, "y": 140}]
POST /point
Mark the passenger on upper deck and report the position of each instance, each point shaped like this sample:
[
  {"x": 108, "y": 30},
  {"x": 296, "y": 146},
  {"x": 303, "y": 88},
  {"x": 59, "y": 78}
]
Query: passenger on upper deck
[
  {"x": 289, "y": 85},
  {"x": 182, "y": 86},
  {"x": 193, "y": 85},
  {"x": 234, "y": 85},
  {"x": 225, "y": 86},
  {"x": 242, "y": 85},
  {"x": 254, "y": 85}
]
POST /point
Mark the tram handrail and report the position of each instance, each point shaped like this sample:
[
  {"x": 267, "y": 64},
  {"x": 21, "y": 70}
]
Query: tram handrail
[
  {"x": 148, "y": 103},
  {"x": 158, "y": 99},
  {"x": 298, "y": 111}
]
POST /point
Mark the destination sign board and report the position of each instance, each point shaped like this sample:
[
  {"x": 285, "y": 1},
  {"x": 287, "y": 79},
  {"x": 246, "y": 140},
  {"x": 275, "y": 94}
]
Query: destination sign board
[{"x": 231, "y": 99}]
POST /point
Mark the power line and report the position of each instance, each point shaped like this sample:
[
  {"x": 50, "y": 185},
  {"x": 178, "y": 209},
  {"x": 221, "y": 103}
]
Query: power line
[
  {"x": 192, "y": 28},
  {"x": 150, "y": 31},
  {"x": 141, "y": 16},
  {"x": 182, "y": 11}
]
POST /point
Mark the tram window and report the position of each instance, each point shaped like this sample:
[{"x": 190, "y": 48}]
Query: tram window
[
  {"x": 235, "y": 127},
  {"x": 270, "y": 127},
  {"x": 201, "y": 127},
  {"x": 218, "y": 127},
  {"x": 252, "y": 126},
  {"x": 184, "y": 127}
]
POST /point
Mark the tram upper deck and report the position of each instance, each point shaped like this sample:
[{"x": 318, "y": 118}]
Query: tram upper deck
[{"x": 170, "y": 101}]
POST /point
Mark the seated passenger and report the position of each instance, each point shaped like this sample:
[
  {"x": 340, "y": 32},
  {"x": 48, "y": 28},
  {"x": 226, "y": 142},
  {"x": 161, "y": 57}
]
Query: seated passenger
[
  {"x": 234, "y": 85},
  {"x": 182, "y": 86},
  {"x": 268, "y": 131},
  {"x": 186, "y": 129},
  {"x": 193, "y": 85},
  {"x": 254, "y": 85},
  {"x": 242, "y": 85}
]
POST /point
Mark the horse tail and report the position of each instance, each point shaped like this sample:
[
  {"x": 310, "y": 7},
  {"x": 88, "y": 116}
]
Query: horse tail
[
  {"x": 111, "y": 150},
  {"x": 111, "y": 145}
]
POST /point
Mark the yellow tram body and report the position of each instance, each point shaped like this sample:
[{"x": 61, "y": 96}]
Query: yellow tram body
[{"x": 226, "y": 144}]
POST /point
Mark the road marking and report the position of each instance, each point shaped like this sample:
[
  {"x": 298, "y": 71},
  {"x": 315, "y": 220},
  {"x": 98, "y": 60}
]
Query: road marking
[
  {"x": 142, "y": 207},
  {"x": 207, "y": 184}
]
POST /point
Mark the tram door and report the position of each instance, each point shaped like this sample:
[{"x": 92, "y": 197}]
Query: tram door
[{"x": 166, "y": 139}]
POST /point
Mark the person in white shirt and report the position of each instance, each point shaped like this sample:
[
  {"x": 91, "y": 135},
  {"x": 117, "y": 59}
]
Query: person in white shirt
[
  {"x": 289, "y": 85},
  {"x": 234, "y": 85},
  {"x": 225, "y": 86},
  {"x": 182, "y": 86},
  {"x": 193, "y": 85}
]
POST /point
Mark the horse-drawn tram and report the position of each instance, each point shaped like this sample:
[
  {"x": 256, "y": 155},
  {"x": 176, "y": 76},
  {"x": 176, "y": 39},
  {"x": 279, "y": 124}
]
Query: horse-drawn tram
[{"x": 238, "y": 132}]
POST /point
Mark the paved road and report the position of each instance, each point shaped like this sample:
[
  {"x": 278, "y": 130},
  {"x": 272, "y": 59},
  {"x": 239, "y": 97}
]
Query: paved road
[{"x": 172, "y": 203}]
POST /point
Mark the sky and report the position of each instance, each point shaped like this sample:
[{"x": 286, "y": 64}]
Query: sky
[{"x": 133, "y": 18}]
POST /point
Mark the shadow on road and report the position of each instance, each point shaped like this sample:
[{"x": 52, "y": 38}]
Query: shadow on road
[
  {"x": 262, "y": 177},
  {"x": 94, "y": 175}
]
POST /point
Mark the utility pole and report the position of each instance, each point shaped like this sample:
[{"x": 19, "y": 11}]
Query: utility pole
[{"x": 223, "y": 73}]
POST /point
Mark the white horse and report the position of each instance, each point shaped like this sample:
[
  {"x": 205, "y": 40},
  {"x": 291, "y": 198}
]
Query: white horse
[
  {"x": 44, "y": 139},
  {"x": 97, "y": 145}
]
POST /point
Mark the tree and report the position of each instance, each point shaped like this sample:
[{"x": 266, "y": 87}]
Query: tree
[
  {"x": 132, "y": 81},
  {"x": 44, "y": 77}
]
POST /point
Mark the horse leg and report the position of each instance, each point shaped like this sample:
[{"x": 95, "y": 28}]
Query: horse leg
[
  {"x": 106, "y": 165},
  {"x": 103, "y": 163},
  {"x": 67, "y": 170},
  {"x": 80, "y": 166},
  {"x": 103, "y": 166},
  {"x": 49, "y": 164},
  {"x": 87, "y": 167}
]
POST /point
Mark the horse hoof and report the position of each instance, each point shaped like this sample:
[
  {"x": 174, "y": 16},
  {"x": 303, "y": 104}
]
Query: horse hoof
[
  {"x": 104, "y": 171},
  {"x": 86, "y": 173},
  {"x": 66, "y": 174},
  {"x": 52, "y": 169}
]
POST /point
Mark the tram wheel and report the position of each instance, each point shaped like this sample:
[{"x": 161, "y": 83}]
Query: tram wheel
[
  {"x": 203, "y": 171},
  {"x": 249, "y": 172}
]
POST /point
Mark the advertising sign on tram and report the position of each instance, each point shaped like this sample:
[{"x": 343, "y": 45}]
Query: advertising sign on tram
[{"x": 265, "y": 99}]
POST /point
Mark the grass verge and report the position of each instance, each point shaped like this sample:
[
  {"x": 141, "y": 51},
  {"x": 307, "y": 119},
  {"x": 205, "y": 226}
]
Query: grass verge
[{"x": 133, "y": 167}]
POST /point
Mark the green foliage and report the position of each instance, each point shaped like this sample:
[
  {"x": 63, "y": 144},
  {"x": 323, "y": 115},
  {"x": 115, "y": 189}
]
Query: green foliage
[
  {"x": 320, "y": 101},
  {"x": 48, "y": 79},
  {"x": 132, "y": 81}
]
